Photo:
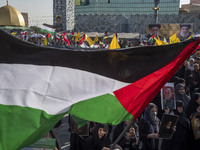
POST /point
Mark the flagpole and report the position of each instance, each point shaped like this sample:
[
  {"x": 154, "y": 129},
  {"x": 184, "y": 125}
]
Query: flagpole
[
  {"x": 156, "y": 8},
  {"x": 121, "y": 135}
]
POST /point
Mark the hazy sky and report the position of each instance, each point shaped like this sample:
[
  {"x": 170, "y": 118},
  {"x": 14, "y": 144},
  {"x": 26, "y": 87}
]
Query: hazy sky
[
  {"x": 37, "y": 9},
  {"x": 32, "y": 7}
]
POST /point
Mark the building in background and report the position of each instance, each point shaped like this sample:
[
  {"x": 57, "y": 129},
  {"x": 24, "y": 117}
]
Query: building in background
[
  {"x": 63, "y": 15},
  {"x": 193, "y": 7},
  {"x": 12, "y": 20},
  {"x": 195, "y": 1},
  {"x": 126, "y": 7},
  {"x": 26, "y": 18},
  {"x": 10, "y": 16}
]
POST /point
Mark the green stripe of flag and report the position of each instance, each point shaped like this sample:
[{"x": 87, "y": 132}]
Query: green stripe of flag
[
  {"x": 47, "y": 31},
  {"x": 35, "y": 123},
  {"x": 103, "y": 109}
]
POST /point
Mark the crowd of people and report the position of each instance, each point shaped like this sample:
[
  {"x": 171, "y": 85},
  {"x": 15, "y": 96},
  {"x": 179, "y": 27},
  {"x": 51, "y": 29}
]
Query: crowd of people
[
  {"x": 144, "y": 132},
  {"x": 66, "y": 39},
  {"x": 59, "y": 41}
]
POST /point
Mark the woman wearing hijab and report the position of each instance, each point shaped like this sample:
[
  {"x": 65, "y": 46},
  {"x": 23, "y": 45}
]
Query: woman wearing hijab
[
  {"x": 149, "y": 128},
  {"x": 130, "y": 139},
  {"x": 181, "y": 95},
  {"x": 179, "y": 140},
  {"x": 194, "y": 104},
  {"x": 194, "y": 107},
  {"x": 99, "y": 140}
]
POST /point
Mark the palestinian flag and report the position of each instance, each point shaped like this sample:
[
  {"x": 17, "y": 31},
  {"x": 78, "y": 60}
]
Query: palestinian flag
[
  {"x": 46, "y": 29},
  {"x": 82, "y": 39},
  {"x": 40, "y": 84},
  {"x": 66, "y": 39},
  {"x": 23, "y": 33},
  {"x": 57, "y": 37}
]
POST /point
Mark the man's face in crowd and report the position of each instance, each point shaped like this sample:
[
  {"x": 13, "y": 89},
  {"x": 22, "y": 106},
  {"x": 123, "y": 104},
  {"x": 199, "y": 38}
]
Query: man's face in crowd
[
  {"x": 182, "y": 90},
  {"x": 198, "y": 100},
  {"x": 196, "y": 67},
  {"x": 154, "y": 30},
  {"x": 184, "y": 31}
]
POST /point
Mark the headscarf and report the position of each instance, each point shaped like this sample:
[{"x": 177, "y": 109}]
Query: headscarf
[
  {"x": 153, "y": 123},
  {"x": 99, "y": 143},
  {"x": 183, "y": 97},
  {"x": 193, "y": 105},
  {"x": 179, "y": 103}
]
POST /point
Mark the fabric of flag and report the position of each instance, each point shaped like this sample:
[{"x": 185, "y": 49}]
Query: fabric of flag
[
  {"x": 83, "y": 45},
  {"x": 174, "y": 39},
  {"x": 57, "y": 37},
  {"x": 89, "y": 40},
  {"x": 69, "y": 40},
  {"x": 66, "y": 39},
  {"x": 14, "y": 33},
  {"x": 48, "y": 35},
  {"x": 82, "y": 39},
  {"x": 114, "y": 43},
  {"x": 105, "y": 37},
  {"x": 160, "y": 42},
  {"x": 23, "y": 32},
  {"x": 40, "y": 84},
  {"x": 96, "y": 39},
  {"x": 45, "y": 41},
  {"x": 165, "y": 40},
  {"x": 46, "y": 29},
  {"x": 77, "y": 39},
  {"x": 151, "y": 40}
]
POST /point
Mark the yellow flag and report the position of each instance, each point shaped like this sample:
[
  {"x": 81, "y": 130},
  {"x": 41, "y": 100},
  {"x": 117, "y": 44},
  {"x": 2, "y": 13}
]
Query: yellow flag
[
  {"x": 160, "y": 42},
  {"x": 13, "y": 33},
  {"x": 45, "y": 41},
  {"x": 174, "y": 39},
  {"x": 105, "y": 37},
  {"x": 77, "y": 39},
  {"x": 89, "y": 40},
  {"x": 114, "y": 43},
  {"x": 96, "y": 39}
]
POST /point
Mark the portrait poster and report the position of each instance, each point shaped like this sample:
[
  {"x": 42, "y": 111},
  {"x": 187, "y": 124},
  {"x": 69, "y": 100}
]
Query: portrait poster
[
  {"x": 77, "y": 2},
  {"x": 82, "y": 2},
  {"x": 195, "y": 121},
  {"x": 167, "y": 30},
  {"x": 58, "y": 23},
  {"x": 168, "y": 96},
  {"x": 167, "y": 124}
]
